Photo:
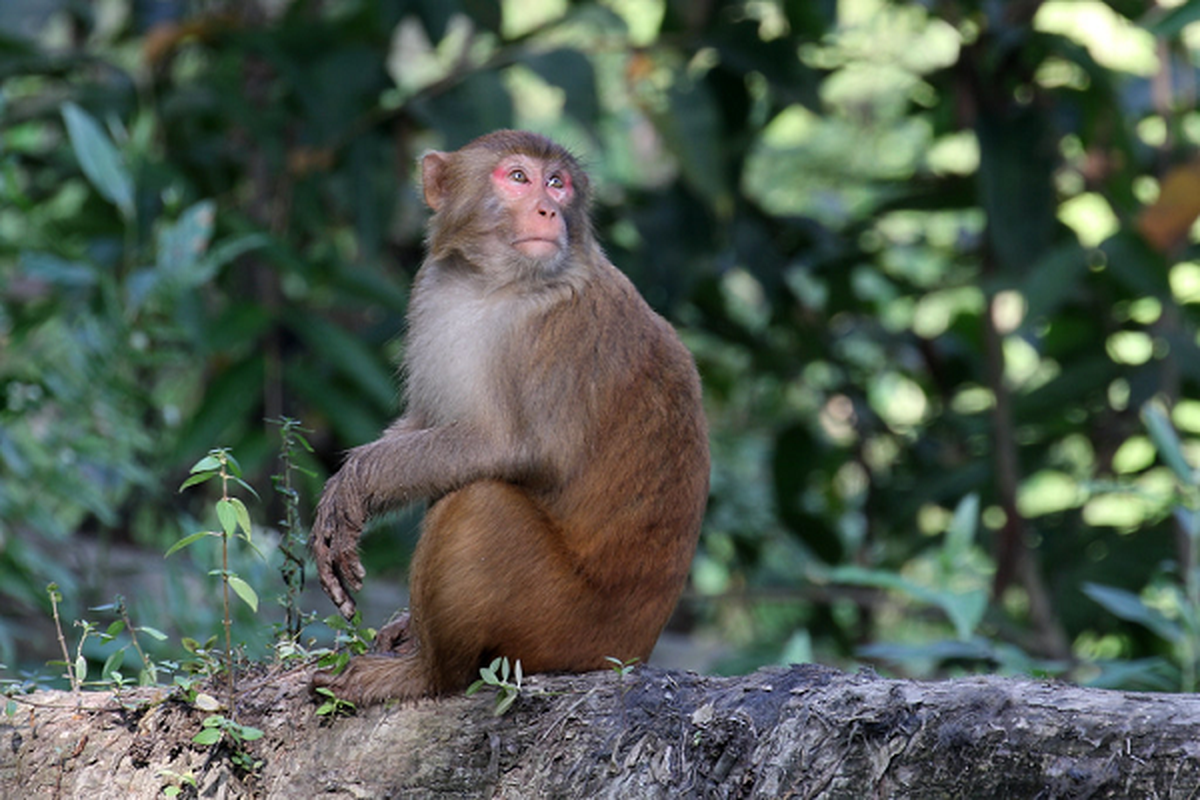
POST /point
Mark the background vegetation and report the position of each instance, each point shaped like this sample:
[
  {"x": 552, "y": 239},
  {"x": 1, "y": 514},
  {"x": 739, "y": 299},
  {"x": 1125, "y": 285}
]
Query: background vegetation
[{"x": 937, "y": 262}]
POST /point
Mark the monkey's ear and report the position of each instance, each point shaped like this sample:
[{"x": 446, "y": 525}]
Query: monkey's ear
[{"x": 434, "y": 169}]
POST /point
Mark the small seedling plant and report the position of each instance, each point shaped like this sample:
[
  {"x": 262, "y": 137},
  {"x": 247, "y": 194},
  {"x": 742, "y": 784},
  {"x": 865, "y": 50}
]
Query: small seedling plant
[
  {"x": 293, "y": 539},
  {"x": 496, "y": 675},
  {"x": 218, "y": 727},
  {"x": 234, "y": 519},
  {"x": 332, "y": 705}
]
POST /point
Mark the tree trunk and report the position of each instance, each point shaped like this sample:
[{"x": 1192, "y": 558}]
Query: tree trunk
[{"x": 802, "y": 732}]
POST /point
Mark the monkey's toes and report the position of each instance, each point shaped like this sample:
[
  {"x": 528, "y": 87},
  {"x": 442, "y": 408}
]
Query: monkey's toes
[{"x": 395, "y": 638}]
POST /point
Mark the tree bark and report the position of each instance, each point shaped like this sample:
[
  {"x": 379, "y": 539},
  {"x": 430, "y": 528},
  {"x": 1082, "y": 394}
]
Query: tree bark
[{"x": 802, "y": 732}]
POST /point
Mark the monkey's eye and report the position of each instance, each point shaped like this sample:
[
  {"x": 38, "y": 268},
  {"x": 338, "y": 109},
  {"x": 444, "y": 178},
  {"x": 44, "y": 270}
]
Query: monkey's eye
[
  {"x": 556, "y": 182},
  {"x": 518, "y": 176}
]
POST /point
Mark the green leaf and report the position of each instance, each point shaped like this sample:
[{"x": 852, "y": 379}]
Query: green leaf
[
  {"x": 209, "y": 463},
  {"x": 961, "y": 532},
  {"x": 199, "y": 477},
  {"x": 227, "y": 515},
  {"x": 504, "y": 703},
  {"x": 571, "y": 71},
  {"x": 243, "y": 516},
  {"x": 99, "y": 158},
  {"x": 81, "y": 669},
  {"x": 235, "y": 469},
  {"x": 230, "y": 249},
  {"x": 114, "y": 629},
  {"x": 244, "y": 591},
  {"x": 186, "y": 541},
  {"x": 208, "y": 736},
  {"x": 247, "y": 487},
  {"x": 1128, "y": 606},
  {"x": 1051, "y": 282},
  {"x": 250, "y": 733},
  {"x": 691, "y": 128},
  {"x": 112, "y": 664},
  {"x": 153, "y": 633},
  {"x": 964, "y": 609},
  {"x": 371, "y": 376},
  {"x": 181, "y": 244},
  {"x": 1166, "y": 441},
  {"x": 1171, "y": 23}
]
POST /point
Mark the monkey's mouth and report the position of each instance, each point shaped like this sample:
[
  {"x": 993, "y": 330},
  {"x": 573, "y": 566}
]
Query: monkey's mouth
[{"x": 537, "y": 247}]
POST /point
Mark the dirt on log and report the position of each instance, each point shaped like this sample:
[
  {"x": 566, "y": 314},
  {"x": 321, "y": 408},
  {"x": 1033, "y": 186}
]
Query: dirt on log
[{"x": 801, "y": 732}]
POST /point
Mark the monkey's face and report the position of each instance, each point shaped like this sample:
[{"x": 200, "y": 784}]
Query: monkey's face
[
  {"x": 512, "y": 205},
  {"x": 534, "y": 194}
]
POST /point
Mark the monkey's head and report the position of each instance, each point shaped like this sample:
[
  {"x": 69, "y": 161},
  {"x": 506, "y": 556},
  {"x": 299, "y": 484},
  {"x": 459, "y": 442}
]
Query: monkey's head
[{"x": 511, "y": 202}]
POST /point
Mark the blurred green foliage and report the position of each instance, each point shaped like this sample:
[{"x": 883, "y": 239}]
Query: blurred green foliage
[{"x": 933, "y": 258}]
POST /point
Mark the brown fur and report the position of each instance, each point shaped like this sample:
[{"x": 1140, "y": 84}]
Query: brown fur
[{"x": 555, "y": 422}]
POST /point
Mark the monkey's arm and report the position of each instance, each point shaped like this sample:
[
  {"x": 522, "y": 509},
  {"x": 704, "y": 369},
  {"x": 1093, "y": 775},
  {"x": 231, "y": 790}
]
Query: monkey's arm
[{"x": 404, "y": 465}]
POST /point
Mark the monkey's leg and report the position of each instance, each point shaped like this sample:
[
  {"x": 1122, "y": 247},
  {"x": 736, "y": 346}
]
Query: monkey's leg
[{"x": 492, "y": 576}]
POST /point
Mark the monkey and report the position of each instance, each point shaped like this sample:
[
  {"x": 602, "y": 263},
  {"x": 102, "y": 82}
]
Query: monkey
[{"x": 554, "y": 424}]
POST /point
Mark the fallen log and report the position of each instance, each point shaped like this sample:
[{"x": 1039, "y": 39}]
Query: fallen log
[{"x": 801, "y": 732}]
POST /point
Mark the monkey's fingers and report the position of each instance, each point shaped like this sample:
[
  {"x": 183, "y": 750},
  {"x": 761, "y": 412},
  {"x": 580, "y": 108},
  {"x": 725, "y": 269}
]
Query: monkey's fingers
[
  {"x": 336, "y": 587},
  {"x": 350, "y": 573}
]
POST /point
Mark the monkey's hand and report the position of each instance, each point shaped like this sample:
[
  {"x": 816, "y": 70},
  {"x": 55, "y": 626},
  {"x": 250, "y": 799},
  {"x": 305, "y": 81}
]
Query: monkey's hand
[{"x": 335, "y": 533}]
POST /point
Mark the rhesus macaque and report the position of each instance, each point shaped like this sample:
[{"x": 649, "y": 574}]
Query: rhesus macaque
[{"x": 554, "y": 423}]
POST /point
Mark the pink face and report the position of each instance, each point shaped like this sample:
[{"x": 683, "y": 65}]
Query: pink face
[{"x": 536, "y": 194}]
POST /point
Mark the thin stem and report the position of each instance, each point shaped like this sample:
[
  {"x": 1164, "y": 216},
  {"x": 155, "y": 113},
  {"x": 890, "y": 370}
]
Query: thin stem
[
  {"x": 149, "y": 667},
  {"x": 62, "y": 641},
  {"x": 225, "y": 595}
]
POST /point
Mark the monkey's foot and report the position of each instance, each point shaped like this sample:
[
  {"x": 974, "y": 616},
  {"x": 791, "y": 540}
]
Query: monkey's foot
[
  {"x": 395, "y": 638},
  {"x": 374, "y": 679},
  {"x": 342, "y": 685}
]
